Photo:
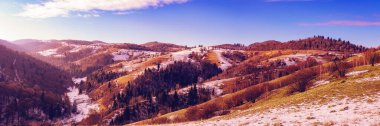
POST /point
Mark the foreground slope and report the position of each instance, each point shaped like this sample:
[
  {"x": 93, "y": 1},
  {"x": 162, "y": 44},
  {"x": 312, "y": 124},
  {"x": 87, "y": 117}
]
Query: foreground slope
[{"x": 341, "y": 101}]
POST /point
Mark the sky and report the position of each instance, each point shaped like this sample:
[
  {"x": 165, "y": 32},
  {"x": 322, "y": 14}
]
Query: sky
[{"x": 191, "y": 22}]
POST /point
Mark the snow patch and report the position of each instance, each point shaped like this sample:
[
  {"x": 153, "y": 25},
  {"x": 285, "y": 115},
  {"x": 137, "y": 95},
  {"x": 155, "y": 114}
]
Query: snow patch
[
  {"x": 355, "y": 73},
  {"x": 368, "y": 79},
  {"x": 48, "y": 52},
  {"x": 78, "y": 80},
  {"x": 320, "y": 83}
]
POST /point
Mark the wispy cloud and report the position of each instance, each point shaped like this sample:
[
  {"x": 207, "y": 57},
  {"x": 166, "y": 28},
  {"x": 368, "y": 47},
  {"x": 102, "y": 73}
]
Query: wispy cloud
[
  {"x": 343, "y": 23},
  {"x": 124, "y": 12},
  {"x": 288, "y": 0},
  {"x": 65, "y": 8}
]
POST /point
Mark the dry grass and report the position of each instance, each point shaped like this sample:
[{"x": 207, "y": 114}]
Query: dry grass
[{"x": 213, "y": 58}]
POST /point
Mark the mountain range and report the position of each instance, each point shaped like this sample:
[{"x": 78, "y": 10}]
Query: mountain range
[{"x": 75, "y": 82}]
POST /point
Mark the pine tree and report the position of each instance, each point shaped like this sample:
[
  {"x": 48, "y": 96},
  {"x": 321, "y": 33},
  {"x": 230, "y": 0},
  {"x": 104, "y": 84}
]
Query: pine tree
[
  {"x": 114, "y": 105},
  {"x": 109, "y": 86},
  {"x": 42, "y": 97},
  {"x": 74, "y": 107},
  {"x": 175, "y": 101},
  {"x": 80, "y": 91},
  {"x": 193, "y": 95}
]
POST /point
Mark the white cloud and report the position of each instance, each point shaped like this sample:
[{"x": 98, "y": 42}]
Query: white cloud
[{"x": 64, "y": 8}]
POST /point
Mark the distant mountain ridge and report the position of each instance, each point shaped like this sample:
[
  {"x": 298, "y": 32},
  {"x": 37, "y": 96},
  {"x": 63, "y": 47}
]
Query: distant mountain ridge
[{"x": 313, "y": 43}]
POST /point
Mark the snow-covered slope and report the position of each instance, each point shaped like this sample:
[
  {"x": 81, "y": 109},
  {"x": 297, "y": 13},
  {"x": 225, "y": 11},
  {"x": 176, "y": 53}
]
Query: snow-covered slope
[
  {"x": 224, "y": 64},
  {"x": 83, "y": 103}
]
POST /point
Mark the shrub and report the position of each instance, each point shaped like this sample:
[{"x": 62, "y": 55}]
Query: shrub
[{"x": 371, "y": 56}]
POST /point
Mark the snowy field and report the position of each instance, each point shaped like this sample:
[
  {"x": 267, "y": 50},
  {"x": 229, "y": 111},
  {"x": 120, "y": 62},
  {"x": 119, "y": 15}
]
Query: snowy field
[
  {"x": 355, "y": 73},
  {"x": 320, "y": 83}
]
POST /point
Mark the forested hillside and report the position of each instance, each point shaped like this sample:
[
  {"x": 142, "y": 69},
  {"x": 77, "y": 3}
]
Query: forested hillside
[
  {"x": 30, "y": 90},
  {"x": 152, "y": 89}
]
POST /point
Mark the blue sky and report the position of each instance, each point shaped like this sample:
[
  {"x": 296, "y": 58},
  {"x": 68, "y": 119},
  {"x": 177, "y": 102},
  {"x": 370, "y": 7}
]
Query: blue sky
[{"x": 191, "y": 22}]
